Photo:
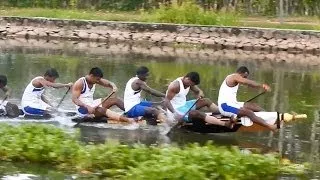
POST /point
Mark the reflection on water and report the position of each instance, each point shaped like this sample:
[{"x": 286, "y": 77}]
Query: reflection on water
[{"x": 293, "y": 90}]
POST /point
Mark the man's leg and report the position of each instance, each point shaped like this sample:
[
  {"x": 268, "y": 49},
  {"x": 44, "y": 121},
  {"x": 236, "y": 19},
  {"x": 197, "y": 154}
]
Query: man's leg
[
  {"x": 210, "y": 119},
  {"x": 250, "y": 114},
  {"x": 205, "y": 102},
  {"x": 114, "y": 101},
  {"x": 145, "y": 109},
  {"x": 100, "y": 111},
  {"x": 252, "y": 106}
]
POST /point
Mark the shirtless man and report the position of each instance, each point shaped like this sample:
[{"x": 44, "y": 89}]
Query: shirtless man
[
  {"x": 177, "y": 104},
  {"x": 227, "y": 100},
  {"x": 133, "y": 105},
  {"x": 33, "y": 101},
  {"x": 82, "y": 97}
]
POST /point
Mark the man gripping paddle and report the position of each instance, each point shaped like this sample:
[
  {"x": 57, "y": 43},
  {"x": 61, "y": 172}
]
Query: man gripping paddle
[
  {"x": 4, "y": 87},
  {"x": 133, "y": 105},
  {"x": 33, "y": 101},
  {"x": 178, "y": 106},
  {"x": 82, "y": 96},
  {"x": 227, "y": 100},
  {"x": 6, "y": 108}
]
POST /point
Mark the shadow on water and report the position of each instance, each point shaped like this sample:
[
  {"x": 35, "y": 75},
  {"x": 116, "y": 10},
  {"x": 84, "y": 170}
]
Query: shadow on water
[{"x": 294, "y": 88}]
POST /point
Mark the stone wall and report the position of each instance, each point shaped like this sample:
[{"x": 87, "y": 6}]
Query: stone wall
[{"x": 247, "y": 39}]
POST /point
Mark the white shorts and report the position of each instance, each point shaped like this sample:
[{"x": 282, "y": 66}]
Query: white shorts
[
  {"x": 82, "y": 111},
  {"x": 229, "y": 109}
]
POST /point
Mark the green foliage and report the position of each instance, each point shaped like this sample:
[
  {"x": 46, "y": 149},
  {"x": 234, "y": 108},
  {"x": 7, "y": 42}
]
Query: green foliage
[
  {"x": 252, "y": 7},
  {"x": 48, "y": 144},
  {"x": 188, "y": 12}
]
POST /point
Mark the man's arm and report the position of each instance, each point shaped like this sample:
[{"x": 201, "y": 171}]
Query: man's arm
[
  {"x": 197, "y": 91},
  {"x": 148, "y": 89},
  {"x": 250, "y": 83},
  {"x": 7, "y": 90},
  {"x": 44, "y": 99},
  {"x": 46, "y": 83},
  {"x": 108, "y": 84},
  {"x": 76, "y": 91},
  {"x": 173, "y": 89}
]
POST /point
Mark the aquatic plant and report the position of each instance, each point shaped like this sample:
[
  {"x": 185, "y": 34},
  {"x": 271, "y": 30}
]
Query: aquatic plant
[{"x": 51, "y": 145}]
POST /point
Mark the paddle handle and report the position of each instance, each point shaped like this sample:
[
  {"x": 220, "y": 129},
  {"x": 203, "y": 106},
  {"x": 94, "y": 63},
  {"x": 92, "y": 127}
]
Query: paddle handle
[
  {"x": 256, "y": 96},
  {"x": 191, "y": 107},
  {"x": 105, "y": 99},
  {"x": 63, "y": 97}
]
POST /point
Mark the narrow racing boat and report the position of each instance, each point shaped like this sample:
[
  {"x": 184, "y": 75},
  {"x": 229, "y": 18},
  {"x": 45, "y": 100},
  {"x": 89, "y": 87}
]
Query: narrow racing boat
[{"x": 244, "y": 123}]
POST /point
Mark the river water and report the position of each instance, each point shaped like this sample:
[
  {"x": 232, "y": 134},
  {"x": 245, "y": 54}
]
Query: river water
[{"x": 294, "y": 88}]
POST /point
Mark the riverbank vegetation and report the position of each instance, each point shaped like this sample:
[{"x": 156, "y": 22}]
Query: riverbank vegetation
[
  {"x": 258, "y": 13},
  {"x": 50, "y": 145}
]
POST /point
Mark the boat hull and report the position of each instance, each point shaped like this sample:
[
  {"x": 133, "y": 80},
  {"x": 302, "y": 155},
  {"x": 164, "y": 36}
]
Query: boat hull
[{"x": 244, "y": 124}]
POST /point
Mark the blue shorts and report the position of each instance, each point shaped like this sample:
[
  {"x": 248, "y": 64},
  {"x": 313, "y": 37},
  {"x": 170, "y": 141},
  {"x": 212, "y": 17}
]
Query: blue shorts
[
  {"x": 185, "y": 108},
  {"x": 230, "y": 108},
  {"x": 33, "y": 111},
  {"x": 139, "y": 109}
]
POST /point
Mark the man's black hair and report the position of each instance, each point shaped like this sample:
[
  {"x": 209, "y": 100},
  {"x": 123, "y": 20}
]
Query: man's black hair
[
  {"x": 97, "y": 72},
  {"x": 142, "y": 70},
  {"x": 242, "y": 70},
  {"x": 52, "y": 72},
  {"x": 3, "y": 80},
  {"x": 194, "y": 77}
]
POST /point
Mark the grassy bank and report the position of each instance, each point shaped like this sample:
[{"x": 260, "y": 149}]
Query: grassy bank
[
  {"x": 189, "y": 14},
  {"x": 50, "y": 145}
]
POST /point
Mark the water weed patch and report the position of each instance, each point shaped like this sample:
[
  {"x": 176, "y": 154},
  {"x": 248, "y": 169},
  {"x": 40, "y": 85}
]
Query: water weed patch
[{"x": 51, "y": 145}]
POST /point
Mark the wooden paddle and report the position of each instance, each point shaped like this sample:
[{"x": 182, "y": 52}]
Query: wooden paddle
[
  {"x": 256, "y": 96},
  {"x": 191, "y": 107},
  {"x": 178, "y": 123},
  {"x": 63, "y": 98},
  {"x": 105, "y": 99}
]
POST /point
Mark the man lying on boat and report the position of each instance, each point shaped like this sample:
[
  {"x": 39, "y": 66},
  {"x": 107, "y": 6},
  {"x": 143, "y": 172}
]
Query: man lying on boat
[
  {"x": 178, "y": 106},
  {"x": 82, "y": 97},
  {"x": 133, "y": 105},
  {"x": 33, "y": 102},
  {"x": 227, "y": 100},
  {"x": 7, "y": 108}
]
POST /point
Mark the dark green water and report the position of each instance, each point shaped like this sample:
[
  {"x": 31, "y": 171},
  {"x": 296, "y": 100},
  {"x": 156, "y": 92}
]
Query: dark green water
[{"x": 294, "y": 89}]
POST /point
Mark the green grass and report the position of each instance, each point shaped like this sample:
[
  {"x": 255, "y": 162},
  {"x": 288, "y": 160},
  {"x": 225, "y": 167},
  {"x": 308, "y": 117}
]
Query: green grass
[
  {"x": 168, "y": 16},
  {"x": 72, "y": 14}
]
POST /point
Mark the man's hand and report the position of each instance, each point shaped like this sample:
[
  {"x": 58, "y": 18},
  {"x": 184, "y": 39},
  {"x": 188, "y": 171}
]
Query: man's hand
[
  {"x": 200, "y": 95},
  {"x": 114, "y": 89},
  {"x": 70, "y": 84},
  {"x": 177, "y": 116},
  {"x": 7, "y": 95},
  {"x": 266, "y": 87},
  {"x": 91, "y": 110}
]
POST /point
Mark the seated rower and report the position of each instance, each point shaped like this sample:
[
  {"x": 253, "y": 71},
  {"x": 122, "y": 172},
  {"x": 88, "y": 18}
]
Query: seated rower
[
  {"x": 82, "y": 97},
  {"x": 6, "y": 108},
  {"x": 178, "y": 106},
  {"x": 227, "y": 100},
  {"x": 133, "y": 105},
  {"x": 33, "y": 101}
]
